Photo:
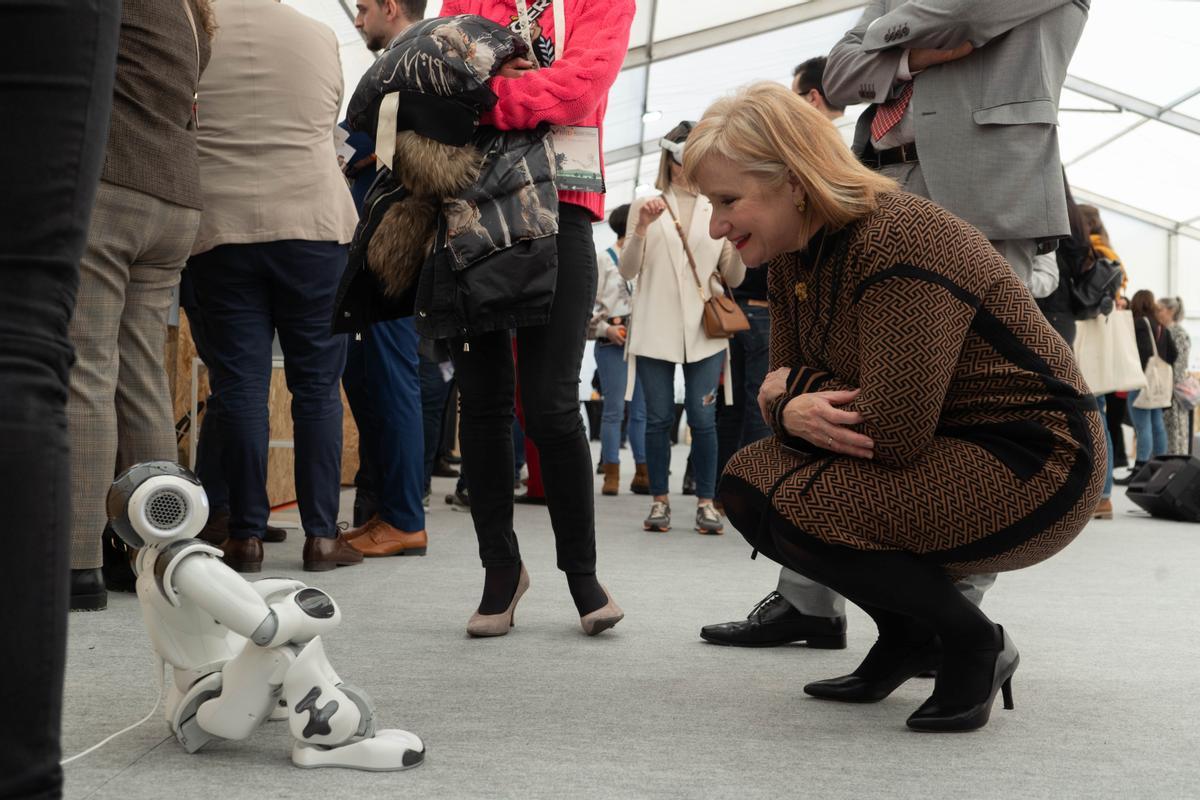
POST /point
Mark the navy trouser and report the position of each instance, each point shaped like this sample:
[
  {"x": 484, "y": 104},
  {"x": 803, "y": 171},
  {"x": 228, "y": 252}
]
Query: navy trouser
[
  {"x": 383, "y": 384},
  {"x": 208, "y": 441},
  {"x": 56, "y": 86},
  {"x": 247, "y": 293},
  {"x": 749, "y": 352}
]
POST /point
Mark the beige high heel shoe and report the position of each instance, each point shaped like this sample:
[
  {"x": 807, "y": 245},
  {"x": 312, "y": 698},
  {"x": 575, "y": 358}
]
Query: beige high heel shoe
[
  {"x": 499, "y": 624},
  {"x": 602, "y": 618}
]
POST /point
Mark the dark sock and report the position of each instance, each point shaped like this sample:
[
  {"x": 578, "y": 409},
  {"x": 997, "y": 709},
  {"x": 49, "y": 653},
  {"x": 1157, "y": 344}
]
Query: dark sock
[
  {"x": 586, "y": 592},
  {"x": 499, "y": 586}
]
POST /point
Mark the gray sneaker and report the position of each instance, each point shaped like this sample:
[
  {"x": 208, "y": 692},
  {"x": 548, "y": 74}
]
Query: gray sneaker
[
  {"x": 659, "y": 519},
  {"x": 708, "y": 520}
]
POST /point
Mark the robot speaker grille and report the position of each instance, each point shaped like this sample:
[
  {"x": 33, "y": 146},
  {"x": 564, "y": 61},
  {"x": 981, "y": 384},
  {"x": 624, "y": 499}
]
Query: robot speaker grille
[{"x": 166, "y": 509}]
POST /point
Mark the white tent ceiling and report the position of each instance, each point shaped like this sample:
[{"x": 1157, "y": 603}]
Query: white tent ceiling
[{"x": 1129, "y": 123}]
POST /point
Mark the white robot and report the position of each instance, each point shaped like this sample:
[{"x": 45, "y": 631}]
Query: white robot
[{"x": 242, "y": 652}]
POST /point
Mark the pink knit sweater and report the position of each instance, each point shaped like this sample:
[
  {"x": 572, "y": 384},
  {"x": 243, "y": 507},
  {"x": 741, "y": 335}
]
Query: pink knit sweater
[{"x": 573, "y": 91}]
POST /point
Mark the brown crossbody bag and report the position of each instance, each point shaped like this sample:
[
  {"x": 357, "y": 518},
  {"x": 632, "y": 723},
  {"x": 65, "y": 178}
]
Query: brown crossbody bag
[{"x": 722, "y": 316}]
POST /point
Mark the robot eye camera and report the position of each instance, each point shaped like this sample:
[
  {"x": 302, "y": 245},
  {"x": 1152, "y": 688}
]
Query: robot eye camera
[{"x": 156, "y": 502}]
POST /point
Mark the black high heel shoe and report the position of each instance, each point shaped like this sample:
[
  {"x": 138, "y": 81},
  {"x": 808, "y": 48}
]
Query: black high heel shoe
[
  {"x": 935, "y": 715},
  {"x": 907, "y": 663}
]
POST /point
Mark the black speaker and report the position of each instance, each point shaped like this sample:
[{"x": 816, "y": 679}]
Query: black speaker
[{"x": 1168, "y": 487}]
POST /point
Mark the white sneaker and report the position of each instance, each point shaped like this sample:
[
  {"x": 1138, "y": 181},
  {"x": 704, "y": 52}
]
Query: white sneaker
[{"x": 660, "y": 517}]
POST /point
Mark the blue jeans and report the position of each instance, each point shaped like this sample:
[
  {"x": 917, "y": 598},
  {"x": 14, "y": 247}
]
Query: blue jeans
[
  {"x": 741, "y": 423},
  {"x": 1108, "y": 475},
  {"x": 383, "y": 385},
  {"x": 246, "y": 293},
  {"x": 610, "y": 361},
  {"x": 700, "y": 402},
  {"x": 1150, "y": 428}
]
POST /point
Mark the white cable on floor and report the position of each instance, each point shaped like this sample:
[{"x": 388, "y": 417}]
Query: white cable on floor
[{"x": 142, "y": 721}]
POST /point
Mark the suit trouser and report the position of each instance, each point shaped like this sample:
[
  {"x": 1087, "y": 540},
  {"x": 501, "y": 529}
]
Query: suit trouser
[
  {"x": 56, "y": 79},
  {"x": 120, "y": 411},
  {"x": 246, "y": 293},
  {"x": 382, "y": 380},
  {"x": 810, "y": 597}
]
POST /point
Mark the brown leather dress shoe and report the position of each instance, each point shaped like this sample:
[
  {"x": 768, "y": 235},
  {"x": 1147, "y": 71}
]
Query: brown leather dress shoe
[
  {"x": 365, "y": 528},
  {"x": 322, "y": 553},
  {"x": 216, "y": 529},
  {"x": 381, "y": 539},
  {"x": 274, "y": 534},
  {"x": 243, "y": 555}
]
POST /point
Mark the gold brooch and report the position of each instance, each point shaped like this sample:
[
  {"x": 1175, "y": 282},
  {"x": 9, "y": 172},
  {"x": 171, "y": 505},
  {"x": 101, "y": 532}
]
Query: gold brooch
[{"x": 802, "y": 291}]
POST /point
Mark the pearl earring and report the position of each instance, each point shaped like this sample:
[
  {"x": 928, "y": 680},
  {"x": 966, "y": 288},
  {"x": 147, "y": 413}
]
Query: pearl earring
[{"x": 801, "y": 204}]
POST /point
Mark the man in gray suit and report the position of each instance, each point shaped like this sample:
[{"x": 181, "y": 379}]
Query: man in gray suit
[{"x": 965, "y": 110}]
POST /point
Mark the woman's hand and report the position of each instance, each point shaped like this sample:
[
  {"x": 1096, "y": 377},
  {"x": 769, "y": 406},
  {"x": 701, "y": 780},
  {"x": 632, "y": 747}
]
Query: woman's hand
[
  {"x": 651, "y": 210},
  {"x": 774, "y": 385},
  {"x": 814, "y": 418},
  {"x": 515, "y": 68},
  {"x": 615, "y": 334}
]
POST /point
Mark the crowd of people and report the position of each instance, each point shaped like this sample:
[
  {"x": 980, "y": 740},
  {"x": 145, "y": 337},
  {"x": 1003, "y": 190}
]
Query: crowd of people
[{"x": 903, "y": 342}]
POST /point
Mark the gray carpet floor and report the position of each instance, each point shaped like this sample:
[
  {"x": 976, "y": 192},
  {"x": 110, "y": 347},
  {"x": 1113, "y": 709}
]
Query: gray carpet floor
[{"x": 1107, "y": 697}]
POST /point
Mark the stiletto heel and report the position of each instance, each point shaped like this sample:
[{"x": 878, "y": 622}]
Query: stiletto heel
[
  {"x": 480, "y": 625},
  {"x": 935, "y": 715}
]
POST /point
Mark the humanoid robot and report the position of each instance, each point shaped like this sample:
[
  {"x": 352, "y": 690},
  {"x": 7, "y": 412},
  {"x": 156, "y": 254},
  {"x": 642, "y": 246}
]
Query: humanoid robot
[{"x": 241, "y": 652}]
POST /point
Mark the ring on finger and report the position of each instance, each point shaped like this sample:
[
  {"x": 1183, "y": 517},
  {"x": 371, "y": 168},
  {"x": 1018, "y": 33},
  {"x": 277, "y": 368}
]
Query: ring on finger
[{"x": 829, "y": 442}]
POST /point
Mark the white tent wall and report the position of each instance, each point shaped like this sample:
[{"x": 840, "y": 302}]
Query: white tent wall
[{"x": 1128, "y": 125}]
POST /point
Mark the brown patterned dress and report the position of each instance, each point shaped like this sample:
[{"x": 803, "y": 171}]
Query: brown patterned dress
[{"x": 989, "y": 450}]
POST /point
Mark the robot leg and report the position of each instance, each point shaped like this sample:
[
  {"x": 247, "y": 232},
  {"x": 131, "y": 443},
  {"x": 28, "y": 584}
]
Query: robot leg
[
  {"x": 252, "y": 683},
  {"x": 334, "y": 724}
]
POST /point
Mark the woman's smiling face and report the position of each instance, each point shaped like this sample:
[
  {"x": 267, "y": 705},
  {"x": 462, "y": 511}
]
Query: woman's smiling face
[{"x": 757, "y": 216}]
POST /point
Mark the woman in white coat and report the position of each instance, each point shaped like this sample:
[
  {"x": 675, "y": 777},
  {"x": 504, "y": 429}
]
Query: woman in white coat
[{"x": 666, "y": 328}]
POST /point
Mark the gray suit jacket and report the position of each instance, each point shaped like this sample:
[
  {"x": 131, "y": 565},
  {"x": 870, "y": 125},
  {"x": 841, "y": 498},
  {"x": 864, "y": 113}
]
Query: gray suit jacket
[{"x": 985, "y": 124}]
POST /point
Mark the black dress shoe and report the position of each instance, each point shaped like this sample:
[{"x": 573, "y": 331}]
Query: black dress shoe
[
  {"x": 774, "y": 621},
  {"x": 243, "y": 555},
  {"x": 880, "y": 674},
  {"x": 949, "y": 714},
  {"x": 118, "y": 567},
  {"x": 87, "y": 590},
  {"x": 441, "y": 469}
]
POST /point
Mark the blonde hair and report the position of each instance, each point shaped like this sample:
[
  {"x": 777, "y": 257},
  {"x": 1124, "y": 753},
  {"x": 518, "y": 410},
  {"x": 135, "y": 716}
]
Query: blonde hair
[{"x": 771, "y": 133}]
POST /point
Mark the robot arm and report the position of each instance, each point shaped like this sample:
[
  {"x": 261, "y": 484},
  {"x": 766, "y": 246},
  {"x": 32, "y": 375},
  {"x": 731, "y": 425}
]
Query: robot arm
[{"x": 297, "y": 616}]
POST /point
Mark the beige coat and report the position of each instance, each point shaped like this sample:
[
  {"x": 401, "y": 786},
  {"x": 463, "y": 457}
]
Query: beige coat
[
  {"x": 268, "y": 103},
  {"x": 667, "y": 309}
]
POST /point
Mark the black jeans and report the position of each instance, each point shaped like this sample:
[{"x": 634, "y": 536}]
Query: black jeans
[
  {"x": 549, "y": 358},
  {"x": 56, "y": 81},
  {"x": 246, "y": 293}
]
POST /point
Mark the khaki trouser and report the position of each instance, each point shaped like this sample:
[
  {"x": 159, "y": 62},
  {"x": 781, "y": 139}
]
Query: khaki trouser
[{"x": 120, "y": 409}]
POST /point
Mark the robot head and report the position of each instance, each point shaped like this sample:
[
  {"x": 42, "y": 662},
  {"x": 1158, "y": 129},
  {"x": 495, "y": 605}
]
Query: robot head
[{"x": 156, "y": 502}]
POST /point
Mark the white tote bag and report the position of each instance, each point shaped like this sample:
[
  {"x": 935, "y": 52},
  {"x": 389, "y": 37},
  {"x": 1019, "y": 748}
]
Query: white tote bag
[
  {"x": 1106, "y": 349},
  {"x": 1160, "y": 380}
]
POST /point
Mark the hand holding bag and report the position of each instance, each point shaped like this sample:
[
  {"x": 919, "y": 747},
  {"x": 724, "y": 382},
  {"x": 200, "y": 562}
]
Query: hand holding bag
[
  {"x": 723, "y": 317},
  {"x": 1160, "y": 380}
]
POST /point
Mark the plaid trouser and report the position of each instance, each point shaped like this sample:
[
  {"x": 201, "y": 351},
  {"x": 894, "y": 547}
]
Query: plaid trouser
[{"x": 120, "y": 400}]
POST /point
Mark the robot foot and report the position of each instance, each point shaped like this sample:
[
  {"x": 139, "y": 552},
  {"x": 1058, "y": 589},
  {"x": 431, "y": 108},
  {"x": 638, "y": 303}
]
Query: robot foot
[{"x": 386, "y": 751}]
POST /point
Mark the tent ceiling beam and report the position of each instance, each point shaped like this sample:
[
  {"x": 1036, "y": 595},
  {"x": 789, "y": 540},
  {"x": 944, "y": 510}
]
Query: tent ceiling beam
[
  {"x": 1128, "y": 102},
  {"x": 1140, "y": 214},
  {"x": 735, "y": 31}
]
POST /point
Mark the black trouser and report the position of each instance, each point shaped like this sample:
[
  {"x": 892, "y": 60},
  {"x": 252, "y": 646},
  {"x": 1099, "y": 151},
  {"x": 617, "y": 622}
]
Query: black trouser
[
  {"x": 549, "y": 358},
  {"x": 56, "y": 79}
]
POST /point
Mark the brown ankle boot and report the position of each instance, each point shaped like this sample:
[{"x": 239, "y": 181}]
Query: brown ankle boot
[
  {"x": 612, "y": 479},
  {"x": 641, "y": 480}
]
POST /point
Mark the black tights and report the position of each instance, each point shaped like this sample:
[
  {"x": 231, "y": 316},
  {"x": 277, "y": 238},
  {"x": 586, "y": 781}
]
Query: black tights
[{"x": 908, "y": 598}]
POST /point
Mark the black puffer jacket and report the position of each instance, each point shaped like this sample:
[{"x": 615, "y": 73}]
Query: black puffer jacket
[{"x": 461, "y": 231}]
